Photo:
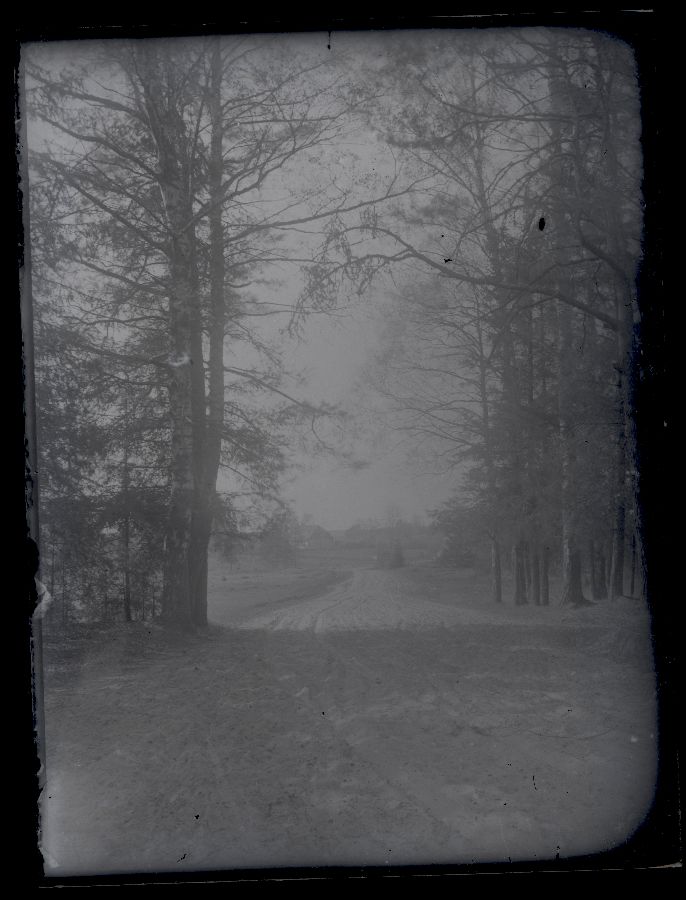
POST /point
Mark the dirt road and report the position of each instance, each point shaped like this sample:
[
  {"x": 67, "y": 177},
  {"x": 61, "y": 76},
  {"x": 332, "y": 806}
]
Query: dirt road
[
  {"x": 365, "y": 599},
  {"x": 367, "y": 726}
]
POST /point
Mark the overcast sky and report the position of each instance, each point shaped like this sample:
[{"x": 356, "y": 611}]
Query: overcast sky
[{"x": 335, "y": 353}]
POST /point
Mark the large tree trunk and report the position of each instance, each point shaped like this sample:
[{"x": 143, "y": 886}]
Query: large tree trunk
[
  {"x": 126, "y": 539},
  {"x": 176, "y": 588},
  {"x": 176, "y": 597},
  {"x": 563, "y": 202},
  {"x": 201, "y": 513},
  {"x": 209, "y": 411},
  {"x": 625, "y": 273},
  {"x": 545, "y": 576},
  {"x": 597, "y": 564},
  {"x": 527, "y": 567},
  {"x": 619, "y": 490},
  {"x": 536, "y": 575},
  {"x": 52, "y": 568},
  {"x": 572, "y": 588},
  {"x": 520, "y": 573},
  {"x": 640, "y": 568},
  {"x": 573, "y": 594},
  {"x": 617, "y": 564},
  {"x": 185, "y": 342},
  {"x": 199, "y": 562},
  {"x": 496, "y": 571},
  {"x": 126, "y": 523},
  {"x": 616, "y": 586},
  {"x": 592, "y": 569},
  {"x": 601, "y": 574},
  {"x": 65, "y": 615},
  {"x": 496, "y": 564}
]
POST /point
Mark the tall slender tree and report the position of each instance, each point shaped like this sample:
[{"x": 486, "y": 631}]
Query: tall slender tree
[
  {"x": 531, "y": 142},
  {"x": 165, "y": 173}
]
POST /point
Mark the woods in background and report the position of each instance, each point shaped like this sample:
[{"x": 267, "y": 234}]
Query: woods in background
[{"x": 512, "y": 360}]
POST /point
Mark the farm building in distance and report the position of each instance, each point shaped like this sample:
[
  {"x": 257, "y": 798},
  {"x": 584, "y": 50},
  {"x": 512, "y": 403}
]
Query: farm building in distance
[{"x": 311, "y": 537}]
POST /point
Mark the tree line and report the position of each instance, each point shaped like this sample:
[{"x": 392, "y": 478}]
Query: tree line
[
  {"x": 152, "y": 218},
  {"x": 513, "y": 355},
  {"x": 168, "y": 178}
]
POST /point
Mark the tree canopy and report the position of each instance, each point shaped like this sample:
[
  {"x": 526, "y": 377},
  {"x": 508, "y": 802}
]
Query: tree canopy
[{"x": 172, "y": 184}]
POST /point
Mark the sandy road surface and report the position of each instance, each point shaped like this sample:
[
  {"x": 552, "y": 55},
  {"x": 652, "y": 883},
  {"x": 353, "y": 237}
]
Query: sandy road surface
[{"x": 366, "y": 599}]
